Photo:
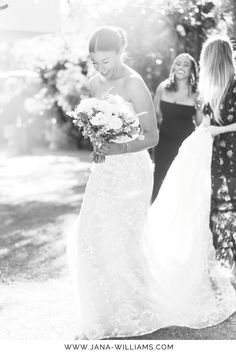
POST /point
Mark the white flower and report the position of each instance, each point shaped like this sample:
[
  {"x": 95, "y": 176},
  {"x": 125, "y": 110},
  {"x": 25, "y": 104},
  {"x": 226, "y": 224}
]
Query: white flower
[
  {"x": 106, "y": 118},
  {"x": 135, "y": 123},
  {"x": 100, "y": 119},
  {"x": 114, "y": 99},
  {"x": 223, "y": 143},
  {"x": 124, "y": 108},
  {"x": 230, "y": 153},
  {"x": 141, "y": 137},
  {"x": 99, "y": 116},
  {"x": 115, "y": 123},
  {"x": 86, "y": 105},
  {"x": 181, "y": 30},
  {"x": 97, "y": 119}
]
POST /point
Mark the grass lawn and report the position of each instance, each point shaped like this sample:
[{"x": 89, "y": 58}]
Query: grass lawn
[{"x": 40, "y": 195}]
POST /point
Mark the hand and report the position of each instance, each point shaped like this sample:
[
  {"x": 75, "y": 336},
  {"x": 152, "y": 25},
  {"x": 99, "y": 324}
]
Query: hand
[
  {"x": 215, "y": 130},
  {"x": 112, "y": 149},
  {"x": 212, "y": 129}
]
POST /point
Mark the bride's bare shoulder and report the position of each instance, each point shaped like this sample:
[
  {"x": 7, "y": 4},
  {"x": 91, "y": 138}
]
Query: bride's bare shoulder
[{"x": 133, "y": 80}]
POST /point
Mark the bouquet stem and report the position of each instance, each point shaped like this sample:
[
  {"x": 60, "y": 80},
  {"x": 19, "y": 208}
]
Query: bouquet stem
[{"x": 97, "y": 157}]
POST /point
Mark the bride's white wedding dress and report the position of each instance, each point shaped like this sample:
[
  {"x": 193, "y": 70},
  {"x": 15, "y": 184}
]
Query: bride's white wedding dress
[{"x": 137, "y": 269}]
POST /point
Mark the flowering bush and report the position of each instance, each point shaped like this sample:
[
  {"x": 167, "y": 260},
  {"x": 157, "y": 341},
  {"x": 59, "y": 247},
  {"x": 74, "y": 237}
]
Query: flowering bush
[
  {"x": 63, "y": 86},
  {"x": 60, "y": 64}
]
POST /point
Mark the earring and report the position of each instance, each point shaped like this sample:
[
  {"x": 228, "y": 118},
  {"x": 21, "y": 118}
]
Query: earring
[{"x": 192, "y": 80}]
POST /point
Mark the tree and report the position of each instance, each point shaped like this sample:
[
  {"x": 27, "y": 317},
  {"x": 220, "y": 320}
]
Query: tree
[{"x": 158, "y": 30}]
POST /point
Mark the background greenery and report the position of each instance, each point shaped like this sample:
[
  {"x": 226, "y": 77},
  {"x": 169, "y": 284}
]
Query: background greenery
[{"x": 157, "y": 31}]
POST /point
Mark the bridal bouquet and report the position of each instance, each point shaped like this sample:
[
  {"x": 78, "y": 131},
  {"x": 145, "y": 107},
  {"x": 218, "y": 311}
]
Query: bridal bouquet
[{"x": 106, "y": 120}]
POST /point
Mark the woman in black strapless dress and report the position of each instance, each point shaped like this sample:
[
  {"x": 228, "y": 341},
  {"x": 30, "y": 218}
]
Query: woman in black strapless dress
[{"x": 175, "y": 103}]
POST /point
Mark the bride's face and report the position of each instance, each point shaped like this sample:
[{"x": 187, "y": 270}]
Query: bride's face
[{"x": 106, "y": 63}]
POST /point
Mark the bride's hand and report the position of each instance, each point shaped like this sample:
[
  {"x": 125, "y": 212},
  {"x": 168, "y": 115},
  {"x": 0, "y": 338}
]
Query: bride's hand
[{"x": 112, "y": 149}]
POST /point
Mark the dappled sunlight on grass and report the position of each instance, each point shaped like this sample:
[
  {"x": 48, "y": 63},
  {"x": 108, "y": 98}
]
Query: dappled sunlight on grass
[
  {"x": 34, "y": 254},
  {"x": 38, "y": 311},
  {"x": 39, "y": 195},
  {"x": 41, "y": 178},
  {"x": 39, "y": 198}
]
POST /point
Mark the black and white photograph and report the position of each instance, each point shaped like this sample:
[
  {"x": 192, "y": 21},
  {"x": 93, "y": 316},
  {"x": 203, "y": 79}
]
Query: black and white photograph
[{"x": 117, "y": 176}]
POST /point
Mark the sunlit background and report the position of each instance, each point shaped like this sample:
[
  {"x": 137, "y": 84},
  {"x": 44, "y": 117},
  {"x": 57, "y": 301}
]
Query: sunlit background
[
  {"x": 44, "y": 162},
  {"x": 43, "y": 56}
]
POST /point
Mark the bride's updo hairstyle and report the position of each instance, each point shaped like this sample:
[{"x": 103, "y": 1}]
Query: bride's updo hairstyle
[{"x": 108, "y": 38}]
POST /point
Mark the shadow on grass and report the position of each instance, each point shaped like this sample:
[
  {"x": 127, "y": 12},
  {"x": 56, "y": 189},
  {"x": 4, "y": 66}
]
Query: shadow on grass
[
  {"x": 30, "y": 215},
  {"x": 78, "y": 189},
  {"x": 32, "y": 240},
  {"x": 222, "y": 331}
]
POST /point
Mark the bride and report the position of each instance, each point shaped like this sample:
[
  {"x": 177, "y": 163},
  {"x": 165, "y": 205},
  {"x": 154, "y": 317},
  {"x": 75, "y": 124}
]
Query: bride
[{"x": 135, "y": 268}]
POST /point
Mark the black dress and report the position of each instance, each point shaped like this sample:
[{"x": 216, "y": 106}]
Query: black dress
[
  {"x": 223, "y": 182},
  {"x": 176, "y": 126}
]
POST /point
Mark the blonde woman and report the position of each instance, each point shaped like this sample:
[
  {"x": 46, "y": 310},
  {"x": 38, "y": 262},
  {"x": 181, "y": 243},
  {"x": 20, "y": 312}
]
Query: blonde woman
[
  {"x": 218, "y": 90},
  {"x": 200, "y": 186}
]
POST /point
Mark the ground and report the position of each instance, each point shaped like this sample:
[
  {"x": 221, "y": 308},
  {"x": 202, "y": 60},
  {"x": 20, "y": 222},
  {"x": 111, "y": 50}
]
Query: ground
[{"x": 40, "y": 196}]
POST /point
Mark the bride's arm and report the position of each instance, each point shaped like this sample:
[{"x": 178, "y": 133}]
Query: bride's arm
[{"x": 142, "y": 101}]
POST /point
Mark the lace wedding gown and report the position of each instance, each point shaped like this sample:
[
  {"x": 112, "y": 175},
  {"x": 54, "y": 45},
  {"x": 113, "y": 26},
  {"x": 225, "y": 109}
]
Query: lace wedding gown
[{"x": 137, "y": 269}]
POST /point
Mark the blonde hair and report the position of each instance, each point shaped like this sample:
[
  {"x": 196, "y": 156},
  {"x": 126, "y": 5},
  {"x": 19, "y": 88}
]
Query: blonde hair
[{"x": 216, "y": 72}]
